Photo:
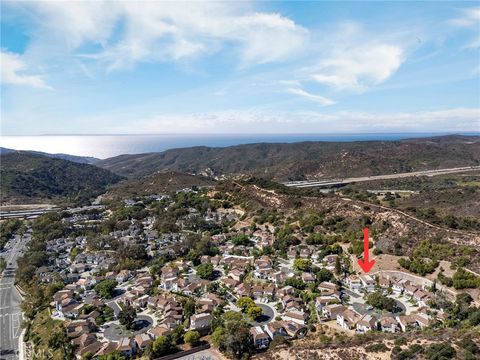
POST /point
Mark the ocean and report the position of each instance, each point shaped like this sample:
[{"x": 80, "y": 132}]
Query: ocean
[{"x": 104, "y": 146}]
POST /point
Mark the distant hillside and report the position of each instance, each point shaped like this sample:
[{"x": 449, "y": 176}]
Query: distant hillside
[
  {"x": 306, "y": 160},
  {"x": 159, "y": 183},
  {"x": 31, "y": 177},
  {"x": 74, "y": 158}
]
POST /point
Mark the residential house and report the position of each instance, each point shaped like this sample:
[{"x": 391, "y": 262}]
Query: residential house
[
  {"x": 367, "y": 282},
  {"x": 143, "y": 340},
  {"x": 296, "y": 316},
  {"x": 275, "y": 328},
  {"x": 322, "y": 301},
  {"x": 123, "y": 276},
  {"x": 127, "y": 347},
  {"x": 422, "y": 297},
  {"x": 388, "y": 324},
  {"x": 160, "y": 330},
  {"x": 348, "y": 319},
  {"x": 308, "y": 278},
  {"x": 260, "y": 338},
  {"x": 421, "y": 319},
  {"x": 353, "y": 282},
  {"x": 201, "y": 321},
  {"x": 236, "y": 274},
  {"x": 366, "y": 323},
  {"x": 331, "y": 311},
  {"x": 295, "y": 330},
  {"x": 407, "y": 322}
]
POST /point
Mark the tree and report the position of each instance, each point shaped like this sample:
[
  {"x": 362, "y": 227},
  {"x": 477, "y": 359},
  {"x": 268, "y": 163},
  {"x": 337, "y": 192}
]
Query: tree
[
  {"x": 244, "y": 303},
  {"x": 106, "y": 288},
  {"x": 241, "y": 239},
  {"x": 254, "y": 312},
  {"x": 59, "y": 341},
  {"x": 233, "y": 337},
  {"x": 302, "y": 264},
  {"x": 218, "y": 336},
  {"x": 205, "y": 271},
  {"x": 296, "y": 283},
  {"x": 192, "y": 337},
  {"x": 162, "y": 346},
  {"x": 127, "y": 316},
  {"x": 177, "y": 335},
  {"x": 380, "y": 301},
  {"x": 188, "y": 308},
  {"x": 338, "y": 266},
  {"x": 116, "y": 355},
  {"x": 324, "y": 275}
]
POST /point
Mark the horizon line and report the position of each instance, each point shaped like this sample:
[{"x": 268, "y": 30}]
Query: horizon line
[{"x": 257, "y": 134}]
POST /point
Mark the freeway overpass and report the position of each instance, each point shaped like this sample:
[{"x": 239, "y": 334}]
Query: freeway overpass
[
  {"x": 34, "y": 213},
  {"x": 334, "y": 182},
  {"x": 25, "y": 214}
]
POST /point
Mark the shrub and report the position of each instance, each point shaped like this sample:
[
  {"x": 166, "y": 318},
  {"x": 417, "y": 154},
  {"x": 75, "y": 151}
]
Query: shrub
[
  {"x": 192, "y": 337},
  {"x": 379, "y": 347},
  {"x": 463, "y": 279},
  {"x": 469, "y": 346},
  {"x": 440, "y": 352},
  {"x": 419, "y": 266}
]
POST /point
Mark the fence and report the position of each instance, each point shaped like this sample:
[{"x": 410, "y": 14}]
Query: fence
[{"x": 185, "y": 353}]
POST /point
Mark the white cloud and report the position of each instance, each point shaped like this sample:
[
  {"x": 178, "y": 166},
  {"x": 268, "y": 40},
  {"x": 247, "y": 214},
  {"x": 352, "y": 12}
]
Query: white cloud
[
  {"x": 358, "y": 67},
  {"x": 313, "y": 97},
  {"x": 470, "y": 19},
  {"x": 259, "y": 121},
  {"x": 132, "y": 32},
  {"x": 15, "y": 72}
]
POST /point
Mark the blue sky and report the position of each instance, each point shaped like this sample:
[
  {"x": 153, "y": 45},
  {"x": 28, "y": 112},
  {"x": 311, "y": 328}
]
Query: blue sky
[{"x": 243, "y": 67}]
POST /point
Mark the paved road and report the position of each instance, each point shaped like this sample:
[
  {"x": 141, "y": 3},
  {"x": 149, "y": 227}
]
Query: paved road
[
  {"x": 306, "y": 184},
  {"x": 114, "y": 331},
  {"x": 10, "y": 300},
  {"x": 25, "y": 214},
  {"x": 34, "y": 213},
  {"x": 267, "y": 316}
]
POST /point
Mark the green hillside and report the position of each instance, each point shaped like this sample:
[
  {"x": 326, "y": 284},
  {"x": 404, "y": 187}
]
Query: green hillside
[
  {"x": 306, "y": 160},
  {"x": 27, "y": 177}
]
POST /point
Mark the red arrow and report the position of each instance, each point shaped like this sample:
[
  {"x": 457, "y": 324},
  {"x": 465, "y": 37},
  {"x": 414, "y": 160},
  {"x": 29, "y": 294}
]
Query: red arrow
[{"x": 364, "y": 263}]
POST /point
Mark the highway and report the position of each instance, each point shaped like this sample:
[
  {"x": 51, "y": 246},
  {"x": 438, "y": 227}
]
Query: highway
[
  {"x": 10, "y": 300},
  {"x": 332, "y": 182},
  {"x": 32, "y": 214},
  {"x": 25, "y": 214}
]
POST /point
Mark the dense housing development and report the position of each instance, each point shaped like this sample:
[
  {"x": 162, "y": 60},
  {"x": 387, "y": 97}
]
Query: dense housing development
[{"x": 155, "y": 275}]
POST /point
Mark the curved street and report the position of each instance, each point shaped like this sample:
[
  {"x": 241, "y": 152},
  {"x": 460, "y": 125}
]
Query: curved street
[
  {"x": 267, "y": 316},
  {"x": 114, "y": 331}
]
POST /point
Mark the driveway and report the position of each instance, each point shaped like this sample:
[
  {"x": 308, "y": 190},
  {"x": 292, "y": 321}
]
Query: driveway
[
  {"x": 352, "y": 294},
  {"x": 115, "y": 307}
]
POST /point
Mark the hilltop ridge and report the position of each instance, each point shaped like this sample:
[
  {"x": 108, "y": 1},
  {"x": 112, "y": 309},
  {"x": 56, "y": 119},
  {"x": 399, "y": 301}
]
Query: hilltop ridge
[{"x": 305, "y": 160}]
